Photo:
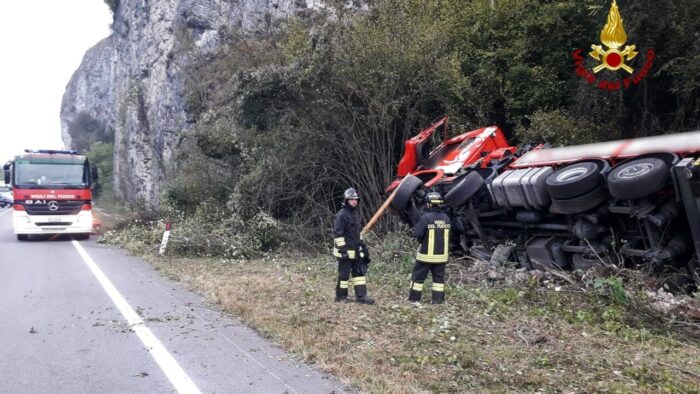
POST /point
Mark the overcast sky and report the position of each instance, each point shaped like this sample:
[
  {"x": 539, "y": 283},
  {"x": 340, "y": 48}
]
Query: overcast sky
[{"x": 42, "y": 43}]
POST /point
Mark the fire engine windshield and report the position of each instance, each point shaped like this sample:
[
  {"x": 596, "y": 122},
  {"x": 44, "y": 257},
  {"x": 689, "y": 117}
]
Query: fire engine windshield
[{"x": 51, "y": 175}]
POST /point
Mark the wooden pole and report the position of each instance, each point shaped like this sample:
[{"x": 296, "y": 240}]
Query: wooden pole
[{"x": 380, "y": 211}]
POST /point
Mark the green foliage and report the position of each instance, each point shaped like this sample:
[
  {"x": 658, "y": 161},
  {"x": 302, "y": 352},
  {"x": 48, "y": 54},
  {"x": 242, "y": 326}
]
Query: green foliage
[
  {"x": 101, "y": 154},
  {"x": 85, "y": 130},
  {"x": 611, "y": 285},
  {"x": 285, "y": 120},
  {"x": 91, "y": 136},
  {"x": 558, "y": 128}
]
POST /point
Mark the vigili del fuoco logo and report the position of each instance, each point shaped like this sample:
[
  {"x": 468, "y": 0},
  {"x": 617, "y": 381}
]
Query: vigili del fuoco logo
[{"x": 615, "y": 55}]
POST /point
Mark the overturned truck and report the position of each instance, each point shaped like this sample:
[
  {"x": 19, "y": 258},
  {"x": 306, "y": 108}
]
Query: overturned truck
[{"x": 633, "y": 202}]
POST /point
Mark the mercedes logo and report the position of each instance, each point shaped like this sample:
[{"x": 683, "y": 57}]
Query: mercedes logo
[{"x": 53, "y": 206}]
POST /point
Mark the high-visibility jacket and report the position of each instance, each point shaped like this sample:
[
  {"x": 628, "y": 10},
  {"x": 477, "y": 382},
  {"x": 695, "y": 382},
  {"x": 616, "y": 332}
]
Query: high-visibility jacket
[
  {"x": 433, "y": 232},
  {"x": 346, "y": 232}
]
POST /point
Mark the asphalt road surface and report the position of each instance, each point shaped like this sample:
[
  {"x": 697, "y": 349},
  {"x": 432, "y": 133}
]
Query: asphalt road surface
[{"x": 79, "y": 317}]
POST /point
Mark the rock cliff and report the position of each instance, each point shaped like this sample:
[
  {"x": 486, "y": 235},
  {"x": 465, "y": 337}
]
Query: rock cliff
[{"x": 133, "y": 80}]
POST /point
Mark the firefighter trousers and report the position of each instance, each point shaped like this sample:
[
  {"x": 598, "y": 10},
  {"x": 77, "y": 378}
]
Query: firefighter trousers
[
  {"x": 358, "y": 280},
  {"x": 420, "y": 272}
]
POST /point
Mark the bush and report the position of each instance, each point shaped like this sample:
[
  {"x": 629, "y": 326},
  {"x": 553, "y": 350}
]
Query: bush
[
  {"x": 101, "y": 154},
  {"x": 558, "y": 128},
  {"x": 85, "y": 130},
  {"x": 211, "y": 230}
]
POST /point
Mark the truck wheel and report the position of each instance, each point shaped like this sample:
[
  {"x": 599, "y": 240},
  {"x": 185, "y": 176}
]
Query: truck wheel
[
  {"x": 579, "y": 204},
  {"x": 405, "y": 191},
  {"x": 574, "y": 180},
  {"x": 22, "y": 237},
  {"x": 637, "y": 178},
  {"x": 82, "y": 237},
  {"x": 464, "y": 189}
]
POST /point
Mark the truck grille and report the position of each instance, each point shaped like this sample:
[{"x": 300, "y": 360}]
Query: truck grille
[{"x": 64, "y": 208}]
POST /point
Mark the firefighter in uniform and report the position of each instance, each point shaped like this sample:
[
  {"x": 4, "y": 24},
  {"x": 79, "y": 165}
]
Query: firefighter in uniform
[
  {"x": 433, "y": 232},
  {"x": 351, "y": 251}
]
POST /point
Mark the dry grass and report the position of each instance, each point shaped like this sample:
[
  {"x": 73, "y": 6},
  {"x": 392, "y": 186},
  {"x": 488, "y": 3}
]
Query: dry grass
[{"x": 511, "y": 338}]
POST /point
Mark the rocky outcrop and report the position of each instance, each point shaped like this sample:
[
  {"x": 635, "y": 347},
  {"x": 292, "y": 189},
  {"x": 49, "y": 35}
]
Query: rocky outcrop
[{"x": 133, "y": 80}]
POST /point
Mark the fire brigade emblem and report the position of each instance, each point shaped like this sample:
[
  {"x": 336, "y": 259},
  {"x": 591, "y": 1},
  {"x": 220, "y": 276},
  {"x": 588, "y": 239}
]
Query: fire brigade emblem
[{"x": 613, "y": 37}]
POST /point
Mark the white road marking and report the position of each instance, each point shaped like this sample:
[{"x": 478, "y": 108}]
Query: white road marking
[
  {"x": 177, "y": 376},
  {"x": 250, "y": 356}
]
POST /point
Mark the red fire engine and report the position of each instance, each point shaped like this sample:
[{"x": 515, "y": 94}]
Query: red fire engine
[{"x": 52, "y": 192}]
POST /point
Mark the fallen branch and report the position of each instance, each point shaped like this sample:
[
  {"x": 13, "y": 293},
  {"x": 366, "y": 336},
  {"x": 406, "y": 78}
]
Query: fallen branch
[{"x": 561, "y": 275}]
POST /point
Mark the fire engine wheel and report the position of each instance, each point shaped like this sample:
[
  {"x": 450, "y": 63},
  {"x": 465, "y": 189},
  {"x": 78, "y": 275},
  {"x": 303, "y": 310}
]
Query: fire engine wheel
[
  {"x": 405, "y": 191},
  {"x": 582, "y": 203},
  {"x": 464, "y": 189},
  {"x": 82, "y": 237},
  {"x": 574, "y": 180},
  {"x": 637, "y": 178}
]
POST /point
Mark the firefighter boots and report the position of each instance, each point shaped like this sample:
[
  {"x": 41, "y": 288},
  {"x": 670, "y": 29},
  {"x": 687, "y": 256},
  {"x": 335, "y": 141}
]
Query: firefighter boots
[
  {"x": 438, "y": 293},
  {"x": 416, "y": 292},
  {"x": 438, "y": 297},
  {"x": 361, "y": 291},
  {"x": 341, "y": 290}
]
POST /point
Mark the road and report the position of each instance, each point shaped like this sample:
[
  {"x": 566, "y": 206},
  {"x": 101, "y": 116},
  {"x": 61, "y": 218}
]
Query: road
[{"x": 81, "y": 317}]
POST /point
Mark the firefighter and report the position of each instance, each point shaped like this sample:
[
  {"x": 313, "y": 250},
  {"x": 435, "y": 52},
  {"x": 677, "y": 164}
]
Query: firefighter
[
  {"x": 433, "y": 232},
  {"x": 351, "y": 251}
]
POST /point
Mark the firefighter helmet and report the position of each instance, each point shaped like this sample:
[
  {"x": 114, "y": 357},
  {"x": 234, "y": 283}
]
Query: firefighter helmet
[
  {"x": 351, "y": 194},
  {"x": 435, "y": 199}
]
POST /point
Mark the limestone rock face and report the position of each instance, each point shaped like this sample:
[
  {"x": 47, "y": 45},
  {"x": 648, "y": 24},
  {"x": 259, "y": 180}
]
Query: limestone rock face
[{"x": 133, "y": 80}]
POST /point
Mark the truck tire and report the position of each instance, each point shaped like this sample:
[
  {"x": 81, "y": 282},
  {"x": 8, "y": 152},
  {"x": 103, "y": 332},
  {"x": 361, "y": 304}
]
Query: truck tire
[
  {"x": 637, "y": 178},
  {"x": 574, "y": 180},
  {"x": 405, "y": 191},
  {"x": 464, "y": 189},
  {"x": 582, "y": 203}
]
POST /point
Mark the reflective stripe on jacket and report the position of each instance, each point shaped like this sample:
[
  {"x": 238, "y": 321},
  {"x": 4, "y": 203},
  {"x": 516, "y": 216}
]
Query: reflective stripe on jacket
[
  {"x": 346, "y": 232},
  {"x": 433, "y": 232}
]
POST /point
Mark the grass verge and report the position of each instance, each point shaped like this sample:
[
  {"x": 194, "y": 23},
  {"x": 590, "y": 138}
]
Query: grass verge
[{"x": 517, "y": 334}]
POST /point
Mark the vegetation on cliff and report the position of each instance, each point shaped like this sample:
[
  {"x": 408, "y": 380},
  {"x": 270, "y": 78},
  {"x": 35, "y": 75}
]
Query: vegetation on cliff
[{"x": 286, "y": 119}]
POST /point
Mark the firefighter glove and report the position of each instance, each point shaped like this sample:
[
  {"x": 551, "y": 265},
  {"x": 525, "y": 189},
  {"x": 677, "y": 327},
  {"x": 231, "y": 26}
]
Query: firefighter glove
[{"x": 364, "y": 254}]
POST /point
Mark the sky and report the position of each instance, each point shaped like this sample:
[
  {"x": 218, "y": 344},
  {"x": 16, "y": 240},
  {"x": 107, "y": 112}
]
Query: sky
[{"x": 42, "y": 43}]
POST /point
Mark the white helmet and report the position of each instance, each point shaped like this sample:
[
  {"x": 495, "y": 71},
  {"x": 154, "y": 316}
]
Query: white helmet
[{"x": 351, "y": 194}]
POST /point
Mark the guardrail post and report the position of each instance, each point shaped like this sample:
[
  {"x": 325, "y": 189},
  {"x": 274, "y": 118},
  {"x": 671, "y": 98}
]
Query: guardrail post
[{"x": 164, "y": 242}]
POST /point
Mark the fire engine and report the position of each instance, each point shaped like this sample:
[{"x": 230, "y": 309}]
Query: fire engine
[
  {"x": 52, "y": 192},
  {"x": 632, "y": 202}
]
